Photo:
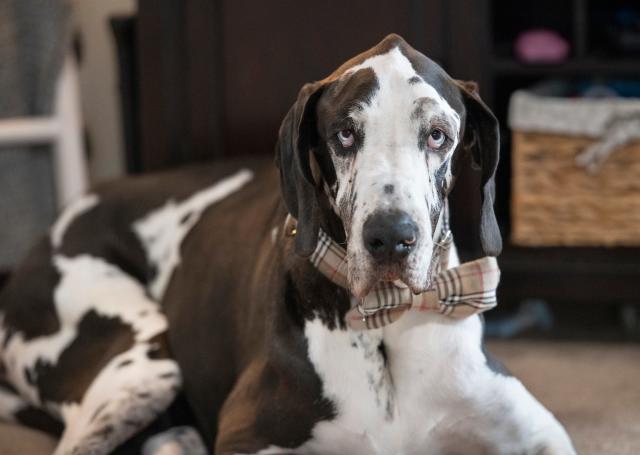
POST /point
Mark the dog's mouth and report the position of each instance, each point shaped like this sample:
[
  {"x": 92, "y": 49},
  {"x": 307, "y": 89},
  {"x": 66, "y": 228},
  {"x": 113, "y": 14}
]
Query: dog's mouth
[
  {"x": 362, "y": 283},
  {"x": 391, "y": 276}
]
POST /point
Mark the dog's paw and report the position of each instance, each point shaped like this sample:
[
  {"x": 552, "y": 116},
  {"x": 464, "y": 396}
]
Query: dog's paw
[
  {"x": 557, "y": 444},
  {"x": 175, "y": 441}
]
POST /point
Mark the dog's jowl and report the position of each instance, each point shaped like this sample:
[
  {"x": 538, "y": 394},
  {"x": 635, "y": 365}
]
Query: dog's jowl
[{"x": 223, "y": 297}]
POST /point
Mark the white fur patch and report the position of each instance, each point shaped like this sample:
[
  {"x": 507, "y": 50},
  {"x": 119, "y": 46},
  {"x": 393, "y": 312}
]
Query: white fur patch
[
  {"x": 92, "y": 283},
  {"x": 175, "y": 441},
  {"x": 445, "y": 398},
  {"x": 393, "y": 64},
  {"x": 271, "y": 450},
  {"x": 69, "y": 214},
  {"x": 163, "y": 230}
]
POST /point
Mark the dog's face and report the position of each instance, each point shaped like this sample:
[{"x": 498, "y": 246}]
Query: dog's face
[
  {"x": 378, "y": 140},
  {"x": 390, "y": 136}
]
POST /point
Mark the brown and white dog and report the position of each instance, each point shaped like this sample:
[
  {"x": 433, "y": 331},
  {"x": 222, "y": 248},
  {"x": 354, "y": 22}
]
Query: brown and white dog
[{"x": 184, "y": 287}]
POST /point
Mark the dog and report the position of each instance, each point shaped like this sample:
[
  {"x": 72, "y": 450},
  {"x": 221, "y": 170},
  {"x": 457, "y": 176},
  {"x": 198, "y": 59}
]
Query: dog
[{"x": 193, "y": 290}]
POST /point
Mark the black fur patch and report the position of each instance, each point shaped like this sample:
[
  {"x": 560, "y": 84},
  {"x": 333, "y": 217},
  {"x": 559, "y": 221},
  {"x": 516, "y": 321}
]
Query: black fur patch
[
  {"x": 38, "y": 419},
  {"x": 330, "y": 302},
  {"x": 338, "y": 101},
  {"x": 27, "y": 301},
  {"x": 423, "y": 137},
  {"x": 158, "y": 349},
  {"x": 291, "y": 402},
  {"x": 99, "y": 339}
]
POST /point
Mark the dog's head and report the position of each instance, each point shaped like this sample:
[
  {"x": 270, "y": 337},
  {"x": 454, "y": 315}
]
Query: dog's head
[{"x": 377, "y": 143}]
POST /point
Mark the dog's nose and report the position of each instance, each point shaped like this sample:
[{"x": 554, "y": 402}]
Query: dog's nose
[{"x": 390, "y": 236}]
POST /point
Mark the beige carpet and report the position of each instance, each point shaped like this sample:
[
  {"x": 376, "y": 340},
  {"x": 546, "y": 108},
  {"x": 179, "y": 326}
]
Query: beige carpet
[
  {"x": 16, "y": 440},
  {"x": 592, "y": 388}
]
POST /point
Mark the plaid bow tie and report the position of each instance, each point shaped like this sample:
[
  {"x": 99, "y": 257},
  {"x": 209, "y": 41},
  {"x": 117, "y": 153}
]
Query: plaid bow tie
[{"x": 457, "y": 292}]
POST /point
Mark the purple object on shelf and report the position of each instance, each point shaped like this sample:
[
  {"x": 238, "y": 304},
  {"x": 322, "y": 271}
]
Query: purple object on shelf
[{"x": 541, "y": 46}]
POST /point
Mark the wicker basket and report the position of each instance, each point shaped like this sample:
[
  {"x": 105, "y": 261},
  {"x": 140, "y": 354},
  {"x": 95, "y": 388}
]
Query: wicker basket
[{"x": 557, "y": 202}]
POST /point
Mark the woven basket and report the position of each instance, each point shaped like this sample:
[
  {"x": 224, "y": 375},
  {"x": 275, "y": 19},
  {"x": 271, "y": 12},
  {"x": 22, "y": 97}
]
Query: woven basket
[{"x": 556, "y": 202}]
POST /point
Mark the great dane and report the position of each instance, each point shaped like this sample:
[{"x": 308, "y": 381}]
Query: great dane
[{"x": 188, "y": 297}]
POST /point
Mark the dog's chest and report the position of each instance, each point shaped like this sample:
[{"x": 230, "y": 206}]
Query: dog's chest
[{"x": 395, "y": 399}]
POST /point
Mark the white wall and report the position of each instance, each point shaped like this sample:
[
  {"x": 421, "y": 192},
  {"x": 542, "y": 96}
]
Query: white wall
[{"x": 99, "y": 84}]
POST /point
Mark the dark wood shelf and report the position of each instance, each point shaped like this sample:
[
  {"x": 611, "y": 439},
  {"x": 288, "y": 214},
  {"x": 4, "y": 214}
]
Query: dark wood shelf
[
  {"x": 589, "y": 275},
  {"x": 575, "y": 67}
]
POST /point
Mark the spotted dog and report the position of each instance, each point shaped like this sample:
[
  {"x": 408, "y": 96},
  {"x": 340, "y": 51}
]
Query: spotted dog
[{"x": 191, "y": 287}]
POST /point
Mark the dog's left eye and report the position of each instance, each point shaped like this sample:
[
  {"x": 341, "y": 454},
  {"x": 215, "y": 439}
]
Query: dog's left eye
[
  {"x": 346, "y": 138},
  {"x": 436, "y": 139}
]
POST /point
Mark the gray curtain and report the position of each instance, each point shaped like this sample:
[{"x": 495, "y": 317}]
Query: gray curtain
[{"x": 34, "y": 36}]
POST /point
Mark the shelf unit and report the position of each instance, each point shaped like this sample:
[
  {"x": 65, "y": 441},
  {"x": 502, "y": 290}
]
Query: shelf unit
[{"x": 561, "y": 275}]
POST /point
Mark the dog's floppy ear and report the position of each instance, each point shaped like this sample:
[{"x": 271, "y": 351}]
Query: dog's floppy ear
[
  {"x": 482, "y": 137},
  {"x": 298, "y": 134}
]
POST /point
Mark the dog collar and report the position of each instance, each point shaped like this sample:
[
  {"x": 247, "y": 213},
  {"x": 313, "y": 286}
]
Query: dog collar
[{"x": 457, "y": 292}]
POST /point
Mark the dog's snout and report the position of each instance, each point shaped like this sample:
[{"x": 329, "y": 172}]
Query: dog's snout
[{"x": 390, "y": 236}]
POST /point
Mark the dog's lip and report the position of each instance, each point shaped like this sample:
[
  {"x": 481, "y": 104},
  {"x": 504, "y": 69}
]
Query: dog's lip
[
  {"x": 396, "y": 278},
  {"x": 391, "y": 276},
  {"x": 414, "y": 288},
  {"x": 360, "y": 292},
  {"x": 417, "y": 286},
  {"x": 400, "y": 276},
  {"x": 419, "y": 289}
]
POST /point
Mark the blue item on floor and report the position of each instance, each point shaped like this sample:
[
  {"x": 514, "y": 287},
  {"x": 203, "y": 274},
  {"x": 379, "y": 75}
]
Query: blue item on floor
[{"x": 531, "y": 314}]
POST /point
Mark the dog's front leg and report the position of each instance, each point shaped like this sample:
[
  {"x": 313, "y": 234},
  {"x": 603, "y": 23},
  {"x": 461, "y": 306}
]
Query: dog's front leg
[
  {"x": 528, "y": 425},
  {"x": 271, "y": 410}
]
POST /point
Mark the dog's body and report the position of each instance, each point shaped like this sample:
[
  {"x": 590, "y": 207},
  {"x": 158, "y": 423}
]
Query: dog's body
[{"x": 254, "y": 335}]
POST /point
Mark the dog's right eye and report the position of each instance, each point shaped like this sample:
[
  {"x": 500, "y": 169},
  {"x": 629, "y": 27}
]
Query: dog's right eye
[
  {"x": 346, "y": 138},
  {"x": 436, "y": 139}
]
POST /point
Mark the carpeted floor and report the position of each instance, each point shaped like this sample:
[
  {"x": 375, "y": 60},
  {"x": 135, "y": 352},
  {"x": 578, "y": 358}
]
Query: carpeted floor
[
  {"x": 16, "y": 440},
  {"x": 593, "y": 388}
]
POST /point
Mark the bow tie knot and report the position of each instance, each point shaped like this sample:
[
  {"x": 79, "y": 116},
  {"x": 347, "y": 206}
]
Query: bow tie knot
[{"x": 458, "y": 292}]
